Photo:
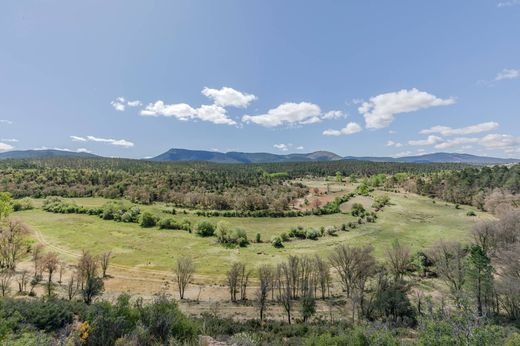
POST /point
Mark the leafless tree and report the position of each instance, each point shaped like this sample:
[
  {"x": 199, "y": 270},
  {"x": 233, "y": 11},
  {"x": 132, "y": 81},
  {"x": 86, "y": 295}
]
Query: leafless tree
[
  {"x": 449, "y": 265},
  {"x": 36, "y": 258},
  {"x": 233, "y": 280},
  {"x": 265, "y": 277},
  {"x": 184, "y": 270},
  {"x": 323, "y": 273},
  {"x": 283, "y": 282},
  {"x": 12, "y": 243},
  {"x": 73, "y": 286},
  {"x": 348, "y": 262},
  {"x": 6, "y": 276},
  {"x": 243, "y": 282},
  {"x": 398, "y": 259},
  {"x": 104, "y": 261},
  {"x": 293, "y": 262},
  {"x": 23, "y": 280},
  {"x": 50, "y": 265}
]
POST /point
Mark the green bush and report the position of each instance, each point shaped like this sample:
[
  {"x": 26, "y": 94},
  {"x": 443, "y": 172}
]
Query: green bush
[
  {"x": 147, "y": 220},
  {"x": 312, "y": 234},
  {"x": 276, "y": 241},
  {"x": 205, "y": 229}
]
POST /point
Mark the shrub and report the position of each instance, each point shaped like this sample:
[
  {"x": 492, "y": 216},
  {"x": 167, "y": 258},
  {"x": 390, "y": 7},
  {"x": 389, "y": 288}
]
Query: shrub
[
  {"x": 358, "y": 210},
  {"x": 284, "y": 236},
  {"x": 471, "y": 213},
  {"x": 276, "y": 241},
  {"x": 22, "y": 204},
  {"x": 205, "y": 229},
  {"x": 169, "y": 223},
  {"x": 312, "y": 234},
  {"x": 332, "y": 231},
  {"x": 297, "y": 232},
  {"x": 147, "y": 220},
  {"x": 258, "y": 238}
]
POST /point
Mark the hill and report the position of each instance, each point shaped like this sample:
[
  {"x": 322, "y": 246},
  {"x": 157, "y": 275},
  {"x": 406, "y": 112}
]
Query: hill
[
  {"x": 33, "y": 154},
  {"x": 440, "y": 158},
  {"x": 240, "y": 157}
]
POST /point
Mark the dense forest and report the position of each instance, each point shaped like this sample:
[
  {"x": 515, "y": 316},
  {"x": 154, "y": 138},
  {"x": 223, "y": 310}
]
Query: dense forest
[{"x": 246, "y": 187}]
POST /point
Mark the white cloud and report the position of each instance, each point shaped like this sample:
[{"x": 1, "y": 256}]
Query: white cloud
[
  {"x": 508, "y": 143},
  {"x": 135, "y": 103},
  {"x": 431, "y": 140},
  {"x": 380, "y": 110},
  {"x": 287, "y": 113},
  {"x": 508, "y": 73},
  {"x": 5, "y": 147},
  {"x": 185, "y": 112},
  {"x": 83, "y": 150},
  {"x": 4, "y": 121},
  {"x": 78, "y": 139},
  {"x": 226, "y": 96},
  {"x": 282, "y": 147},
  {"x": 10, "y": 140},
  {"x": 508, "y": 3},
  {"x": 448, "y": 131},
  {"x": 120, "y": 104},
  {"x": 334, "y": 115},
  {"x": 402, "y": 153},
  {"x": 299, "y": 147},
  {"x": 393, "y": 144},
  {"x": 456, "y": 142},
  {"x": 351, "y": 128},
  {"x": 117, "y": 142}
]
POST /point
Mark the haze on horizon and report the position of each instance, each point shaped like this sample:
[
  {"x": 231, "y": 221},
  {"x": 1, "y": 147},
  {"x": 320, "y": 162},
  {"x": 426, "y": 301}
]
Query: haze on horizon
[{"x": 133, "y": 78}]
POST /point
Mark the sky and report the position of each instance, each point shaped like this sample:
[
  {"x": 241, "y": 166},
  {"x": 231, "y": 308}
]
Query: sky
[{"x": 133, "y": 79}]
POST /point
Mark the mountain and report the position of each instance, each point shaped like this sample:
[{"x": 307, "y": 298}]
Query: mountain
[
  {"x": 33, "y": 154},
  {"x": 441, "y": 158},
  {"x": 239, "y": 157}
]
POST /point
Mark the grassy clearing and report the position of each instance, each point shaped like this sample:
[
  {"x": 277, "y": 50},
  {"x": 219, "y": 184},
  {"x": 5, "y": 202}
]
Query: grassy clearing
[{"x": 414, "y": 220}]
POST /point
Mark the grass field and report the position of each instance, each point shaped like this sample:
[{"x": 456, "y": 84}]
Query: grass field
[{"x": 414, "y": 220}]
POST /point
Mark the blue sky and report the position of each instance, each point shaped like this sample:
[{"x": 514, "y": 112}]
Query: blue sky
[{"x": 135, "y": 78}]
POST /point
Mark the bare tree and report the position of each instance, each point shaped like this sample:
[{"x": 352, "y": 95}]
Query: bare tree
[
  {"x": 398, "y": 259},
  {"x": 12, "y": 243},
  {"x": 50, "y": 265},
  {"x": 449, "y": 265},
  {"x": 233, "y": 279},
  {"x": 72, "y": 286},
  {"x": 323, "y": 272},
  {"x": 265, "y": 276},
  {"x": 104, "y": 261},
  {"x": 36, "y": 258},
  {"x": 293, "y": 263},
  {"x": 348, "y": 262},
  {"x": 6, "y": 276},
  {"x": 23, "y": 280},
  {"x": 283, "y": 278},
  {"x": 243, "y": 282},
  {"x": 184, "y": 270},
  {"x": 91, "y": 285}
]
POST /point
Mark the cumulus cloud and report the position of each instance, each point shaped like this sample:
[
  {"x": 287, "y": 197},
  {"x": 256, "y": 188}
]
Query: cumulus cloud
[
  {"x": 226, "y": 96},
  {"x": 379, "y": 111},
  {"x": 121, "y": 103},
  {"x": 507, "y": 143},
  {"x": 300, "y": 147},
  {"x": 393, "y": 144},
  {"x": 287, "y": 114},
  {"x": 350, "y": 129},
  {"x": 507, "y": 73},
  {"x": 448, "y": 131},
  {"x": 4, "y": 121},
  {"x": 182, "y": 111},
  {"x": 456, "y": 142},
  {"x": 10, "y": 140},
  {"x": 281, "y": 146},
  {"x": 334, "y": 115},
  {"x": 117, "y": 142},
  {"x": 403, "y": 153},
  {"x": 5, "y": 147},
  {"x": 431, "y": 140},
  {"x": 83, "y": 150}
]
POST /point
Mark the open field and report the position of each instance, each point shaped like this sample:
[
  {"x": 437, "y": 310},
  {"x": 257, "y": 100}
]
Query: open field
[{"x": 414, "y": 220}]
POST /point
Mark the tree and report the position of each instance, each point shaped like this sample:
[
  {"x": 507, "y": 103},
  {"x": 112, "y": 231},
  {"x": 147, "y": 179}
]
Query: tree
[
  {"x": 479, "y": 272},
  {"x": 283, "y": 278},
  {"x": 265, "y": 276},
  {"x": 398, "y": 259},
  {"x": 91, "y": 285},
  {"x": 350, "y": 263},
  {"x": 184, "y": 270},
  {"x": 6, "y": 276},
  {"x": 323, "y": 272},
  {"x": 12, "y": 243},
  {"x": 104, "y": 261},
  {"x": 308, "y": 306},
  {"x": 450, "y": 267},
  {"x": 233, "y": 279},
  {"x": 6, "y": 205},
  {"x": 50, "y": 265}
]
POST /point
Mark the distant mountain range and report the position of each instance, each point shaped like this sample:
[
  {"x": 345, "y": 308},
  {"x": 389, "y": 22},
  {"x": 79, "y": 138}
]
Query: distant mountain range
[
  {"x": 240, "y": 157},
  {"x": 32, "y": 154}
]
